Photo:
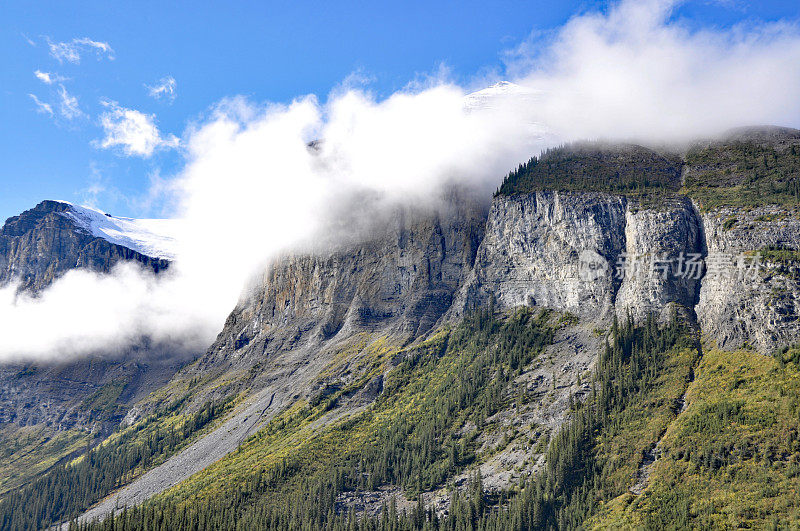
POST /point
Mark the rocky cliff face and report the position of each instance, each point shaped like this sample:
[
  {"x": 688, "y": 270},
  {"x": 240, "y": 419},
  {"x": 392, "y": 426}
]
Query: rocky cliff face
[
  {"x": 751, "y": 291},
  {"x": 587, "y": 253},
  {"x": 590, "y": 253},
  {"x": 661, "y": 245},
  {"x": 43, "y": 243},
  {"x": 537, "y": 248},
  {"x": 91, "y": 393},
  {"x": 398, "y": 282}
]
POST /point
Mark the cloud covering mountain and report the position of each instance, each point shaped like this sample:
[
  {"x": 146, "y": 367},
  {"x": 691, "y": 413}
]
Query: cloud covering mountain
[{"x": 252, "y": 187}]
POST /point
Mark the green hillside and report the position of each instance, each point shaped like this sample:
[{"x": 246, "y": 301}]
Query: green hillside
[
  {"x": 290, "y": 473},
  {"x": 749, "y": 168}
]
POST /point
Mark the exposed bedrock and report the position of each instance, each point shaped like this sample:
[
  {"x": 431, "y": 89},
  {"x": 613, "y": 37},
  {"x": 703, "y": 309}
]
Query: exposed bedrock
[
  {"x": 43, "y": 243},
  {"x": 751, "y": 292},
  {"x": 586, "y": 253}
]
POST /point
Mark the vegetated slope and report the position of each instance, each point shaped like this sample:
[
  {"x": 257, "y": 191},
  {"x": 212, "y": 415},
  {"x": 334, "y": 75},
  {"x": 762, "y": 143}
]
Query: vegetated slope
[
  {"x": 436, "y": 405},
  {"x": 747, "y": 167},
  {"x": 597, "y": 166},
  {"x": 732, "y": 458},
  {"x": 311, "y": 308},
  {"x": 70, "y": 488},
  {"x": 751, "y": 167},
  {"x": 313, "y": 343}
]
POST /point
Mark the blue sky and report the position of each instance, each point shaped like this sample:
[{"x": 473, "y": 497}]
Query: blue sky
[{"x": 268, "y": 51}]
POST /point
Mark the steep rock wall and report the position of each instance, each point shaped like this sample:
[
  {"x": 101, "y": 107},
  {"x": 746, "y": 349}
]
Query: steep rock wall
[
  {"x": 586, "y": 253},
  {"x": 741, "y": 305},
  {"x": 398, "y": 282},
  {"x": 661, "y": 243},
  {"x": 532, "y": 252}
]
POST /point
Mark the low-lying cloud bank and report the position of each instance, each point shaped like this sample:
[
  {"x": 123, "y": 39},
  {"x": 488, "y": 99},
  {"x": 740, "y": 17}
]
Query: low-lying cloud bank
[{"x": 252, "y": 186}]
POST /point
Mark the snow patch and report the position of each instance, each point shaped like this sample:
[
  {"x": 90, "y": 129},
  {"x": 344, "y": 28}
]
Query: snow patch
[{"x": 152, "y": 237}]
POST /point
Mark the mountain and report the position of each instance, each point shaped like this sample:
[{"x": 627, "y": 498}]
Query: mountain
[
  {"x": 609, "y": 341},
  {"x": 56, "y": 407},
  {"x": 41, "y": 244}
]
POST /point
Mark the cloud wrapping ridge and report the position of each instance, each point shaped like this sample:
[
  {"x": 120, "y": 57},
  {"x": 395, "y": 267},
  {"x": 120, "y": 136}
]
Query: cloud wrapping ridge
[
  {"x": 252, "y": 188},
  {"x": 636, "y": 72}
]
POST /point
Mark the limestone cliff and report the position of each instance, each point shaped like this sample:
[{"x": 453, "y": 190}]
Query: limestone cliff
[
  {"x": 398, "y": 282},
  {"x": 751, "y": 291}
]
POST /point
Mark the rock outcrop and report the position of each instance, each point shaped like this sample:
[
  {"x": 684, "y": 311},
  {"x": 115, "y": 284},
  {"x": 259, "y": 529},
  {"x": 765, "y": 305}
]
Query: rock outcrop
[
  {"x": 662, "y": 264},
  {"x": 587, "y": 253},
  {"x": 538, "y": 248},
  {"x": 399, "y": 282},
  {"x": 750, "y": 294},
  {"x": 590, "y": 253}
]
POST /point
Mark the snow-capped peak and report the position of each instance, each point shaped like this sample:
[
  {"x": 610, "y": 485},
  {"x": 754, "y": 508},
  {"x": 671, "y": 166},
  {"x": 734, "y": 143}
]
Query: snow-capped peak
[
  {"x": 151, "y": 237},
  {"x": 497, "y": 94}
]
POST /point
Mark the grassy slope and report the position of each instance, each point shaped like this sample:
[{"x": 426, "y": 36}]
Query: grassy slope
[
  {"x": 732, "y": 459},
  {"x": 26, "y": 452}
]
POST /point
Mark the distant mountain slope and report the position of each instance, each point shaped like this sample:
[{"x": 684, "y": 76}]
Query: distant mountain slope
[
  {"x": 43, "y": 243},
  {"x": 51, "y": 409}
]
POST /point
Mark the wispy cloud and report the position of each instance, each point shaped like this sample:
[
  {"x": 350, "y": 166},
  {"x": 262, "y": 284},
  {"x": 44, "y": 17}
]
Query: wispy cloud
[
  {"x": 48, "y": 78},
  {"x": 28, "y": 40},
  {"x": 42, "y": 107},
  {"x": 134, "y": 132},
  {"x": 68, "y": 104},
  {"x": 164, "y": 89},
  {"x": 70, "y": 51}
]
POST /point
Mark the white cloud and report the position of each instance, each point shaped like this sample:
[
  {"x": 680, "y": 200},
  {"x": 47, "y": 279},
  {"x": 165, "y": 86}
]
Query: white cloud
[
  {"x": 251, "y": 188},
  {"x": 70, "y": 51},
  {"x": 134, "y": 132},
  {"x": 42, "y": 107},
  {"x": 636, "y": 72},
  {"x": 48, "y": 78},
  {"x": 68, "y": 104},
  {"x": 164, "y": 89}
]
